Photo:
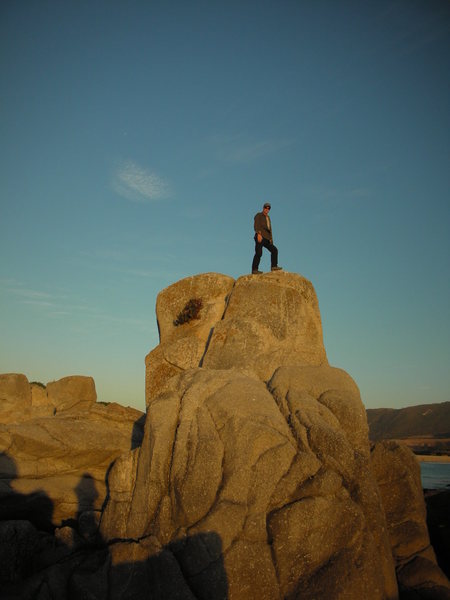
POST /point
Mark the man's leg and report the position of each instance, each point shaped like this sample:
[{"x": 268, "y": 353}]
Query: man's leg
[
  {"x": 257, "y": 257},
  {"x": 273, "y": 254}
]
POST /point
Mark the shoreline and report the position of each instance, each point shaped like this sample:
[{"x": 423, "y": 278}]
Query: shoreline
[
  {"x": 429, "y": 492},
  {"x": 432, "y": 458}
]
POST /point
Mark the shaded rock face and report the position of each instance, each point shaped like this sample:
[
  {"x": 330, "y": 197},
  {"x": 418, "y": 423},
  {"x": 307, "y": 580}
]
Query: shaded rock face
[
  {"x": 398, "y": 475},
  {"x": 254, "y": 478},
  {"x": 438, "y": 521}
]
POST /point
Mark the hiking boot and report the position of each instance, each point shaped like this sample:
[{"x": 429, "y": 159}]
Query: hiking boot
[
  {"x": 256, "y": 272},
  {"x": 276, "y": 269}
]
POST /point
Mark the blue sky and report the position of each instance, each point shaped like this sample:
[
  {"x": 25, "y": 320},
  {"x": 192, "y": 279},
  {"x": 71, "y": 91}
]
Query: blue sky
[{"x": 138, "y": 139}]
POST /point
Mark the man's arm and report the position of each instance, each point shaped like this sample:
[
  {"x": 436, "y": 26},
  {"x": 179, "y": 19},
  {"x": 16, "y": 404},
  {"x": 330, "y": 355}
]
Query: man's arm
[{"x": 257, "y": 227}]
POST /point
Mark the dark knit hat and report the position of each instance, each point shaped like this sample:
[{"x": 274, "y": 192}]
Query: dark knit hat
[{"x": 267, "y": 205}]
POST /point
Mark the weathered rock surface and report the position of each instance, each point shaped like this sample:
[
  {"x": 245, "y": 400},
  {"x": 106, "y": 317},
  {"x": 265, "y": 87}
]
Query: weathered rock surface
[
  {"x": 72, "y": 393},
  {"x": 21, "y": 401},
  {"x": 271, "y": 321},
  {"x": 254, "y": 324},
  {"x": 221, "y": 455},
  {"x": 183, "y": 347},
  {"x": 398, "y": 475},
  {"x": 15, "y": 398},
  {"x": 254, "y": 478}
]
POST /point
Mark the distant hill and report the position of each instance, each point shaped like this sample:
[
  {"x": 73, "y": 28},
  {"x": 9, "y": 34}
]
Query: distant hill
[{"x": 425, "y": 428}]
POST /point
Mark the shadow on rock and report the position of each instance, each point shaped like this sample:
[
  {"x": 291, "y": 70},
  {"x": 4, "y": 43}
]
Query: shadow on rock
[
  {"x": 25, "y": 520},
  {"x": 73, "y": 561},
  {"x": 37, "y": 508},
  {"x": 138, "y": 432},
  {"x": 189, "y": 569},
  {"x": 87, "y": 520},
  {"x": 438, "y": 520}
]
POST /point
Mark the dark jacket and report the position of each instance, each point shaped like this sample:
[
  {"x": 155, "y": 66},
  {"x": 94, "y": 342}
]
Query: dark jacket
[{"x": 261, "y": 226}]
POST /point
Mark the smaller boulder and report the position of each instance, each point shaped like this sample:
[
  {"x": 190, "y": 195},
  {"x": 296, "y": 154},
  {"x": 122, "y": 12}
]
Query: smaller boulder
[
  {"x": 41, "y": 405},
  {"x": 73, "y": 392},
  {"x": 15, "y": 397}
]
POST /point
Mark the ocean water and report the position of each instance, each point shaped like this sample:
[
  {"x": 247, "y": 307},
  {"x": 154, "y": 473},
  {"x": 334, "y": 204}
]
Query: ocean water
[{"x": 435, "y": 476}]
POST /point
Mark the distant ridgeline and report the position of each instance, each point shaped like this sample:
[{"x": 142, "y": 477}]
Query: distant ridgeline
[{"x": 425, "y": 428}]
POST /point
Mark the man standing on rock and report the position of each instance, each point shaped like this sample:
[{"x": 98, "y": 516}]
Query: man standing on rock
[{"x": 263, "y": 237}]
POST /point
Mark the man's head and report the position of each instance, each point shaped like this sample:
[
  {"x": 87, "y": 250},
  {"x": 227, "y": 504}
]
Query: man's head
[{"x": 266, "y": 208}]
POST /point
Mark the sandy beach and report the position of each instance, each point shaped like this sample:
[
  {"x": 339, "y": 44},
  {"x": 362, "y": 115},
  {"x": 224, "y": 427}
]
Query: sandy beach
[{"x": 433, "y": 458}]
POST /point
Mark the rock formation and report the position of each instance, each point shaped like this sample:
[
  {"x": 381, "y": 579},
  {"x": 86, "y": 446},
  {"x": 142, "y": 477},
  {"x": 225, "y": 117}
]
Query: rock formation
[
  {"x": 253, "y": 325},
  {"x": 51, "y": 437},
  {"x": 398, "y": 476},
  {"x": 254, "y": 478}
]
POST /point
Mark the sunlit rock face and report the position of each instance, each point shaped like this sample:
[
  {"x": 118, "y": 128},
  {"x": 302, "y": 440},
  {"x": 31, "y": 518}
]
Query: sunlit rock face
[
  {"x": 271, "y": 472},
  {"x": 183, "y": 346},
  {"x": 21, "y": 400},
  {"x": 15, "y": 397},
  {"x": 252, "y": 438},
  {"x": 270, "y": 321},
  {"x": 254, "y": 478},
  {"x": 253, "y": 324}
]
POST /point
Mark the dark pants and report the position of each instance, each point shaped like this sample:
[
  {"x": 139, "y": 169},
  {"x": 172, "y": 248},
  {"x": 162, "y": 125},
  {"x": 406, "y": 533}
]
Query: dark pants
[{"x": 258, "y": 253}]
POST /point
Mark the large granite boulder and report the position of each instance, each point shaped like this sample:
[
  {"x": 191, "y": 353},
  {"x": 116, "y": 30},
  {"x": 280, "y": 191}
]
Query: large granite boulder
[
  {"x": 254, "y": 478},
  {"x": 273, "y": 484}
]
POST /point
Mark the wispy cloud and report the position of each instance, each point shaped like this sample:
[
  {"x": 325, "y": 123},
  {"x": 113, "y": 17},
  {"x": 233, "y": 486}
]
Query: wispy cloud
[
  {"x": 139, "y": 184},
  {"x": 29, "y": 295},
  {"x": 55, "y": 306},
  {"x": 241, "y": 149},
  {"x": 132, "y": 261},
  {"x": 33, "y": 297}
]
